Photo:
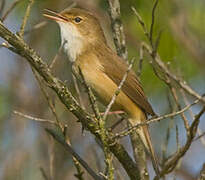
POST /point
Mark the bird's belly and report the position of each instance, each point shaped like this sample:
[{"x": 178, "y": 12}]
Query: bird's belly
[{"x": 106, "y": 88}]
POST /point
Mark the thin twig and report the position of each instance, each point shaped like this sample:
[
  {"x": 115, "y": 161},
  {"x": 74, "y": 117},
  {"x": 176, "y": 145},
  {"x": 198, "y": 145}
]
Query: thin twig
[
  {"x": 118, "y": 89},
  {"x": 139, "y": 18},
  {"x": 11, "y": 8},
  {"x": 72, "y": 5},
  {"x": 60, "y": 138},
  {"x": 35, "y": 27},
  {"x": 176, "y": 99},
  {"x": 199, "y": 132},
  {"x": 152, "y": 23},
  {"x": 117, "y": 123},
  {"x": 25, "y": 19},
  {"x": 200, "y": 136},
  {"x": 202, "y": 173},
  {"x": 172, "y": 162},
  {"x": 45, "y": 177},
  {"x": 34, "y": 118},
  {"x": 78, "y": 91},
  {"x": 178, "y": 164},
  {"x": 177, "y": 138},
  {"x": 2, "y": 5},
  {"x": 166, "y": 142},
  {"x": 102, "y": 129},
  {"x": 56, "y": 56},
  {"x": 49, "y": 101},
  {"x": 163, "y": 68},
  {"x": 91, "y": 97},
  {"x": 133, "y": 128},
  {"x": 157, "y": 42},
  {"x": 139, "y": 71},
  {"x": 172, "y": 76},
  {"x": 51, "y": 158},
  {"x": 79, "y": 174}
]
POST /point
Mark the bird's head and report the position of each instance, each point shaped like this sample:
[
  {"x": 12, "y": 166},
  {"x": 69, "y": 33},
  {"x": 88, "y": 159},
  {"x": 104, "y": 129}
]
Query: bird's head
[{"x": 78, "y": 24}]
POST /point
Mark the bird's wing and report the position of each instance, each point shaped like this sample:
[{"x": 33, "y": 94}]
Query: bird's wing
[{"x": 115, "y": 68}]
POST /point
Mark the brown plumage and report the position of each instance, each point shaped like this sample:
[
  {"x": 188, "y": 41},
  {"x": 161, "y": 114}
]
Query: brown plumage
[{"x": 102, "y": 69}]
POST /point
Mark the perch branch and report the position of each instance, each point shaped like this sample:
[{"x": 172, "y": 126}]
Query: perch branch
[
  {"x": 117, "y": 28},
  {"x": 21, "y": 48},
  {"x": 102, "y": 130},
  {"x": 60, "y": 138}
]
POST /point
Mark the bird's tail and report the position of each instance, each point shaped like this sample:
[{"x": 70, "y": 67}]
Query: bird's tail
[{"x": 144, "y": 134}]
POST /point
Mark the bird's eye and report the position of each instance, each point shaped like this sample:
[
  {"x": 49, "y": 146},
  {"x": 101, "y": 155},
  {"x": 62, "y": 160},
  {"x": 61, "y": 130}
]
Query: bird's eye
[{"x": 78, "y": 19}]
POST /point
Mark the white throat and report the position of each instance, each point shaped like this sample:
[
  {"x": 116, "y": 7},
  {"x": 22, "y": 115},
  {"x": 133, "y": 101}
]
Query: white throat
[{"x": 71, "y": 39}]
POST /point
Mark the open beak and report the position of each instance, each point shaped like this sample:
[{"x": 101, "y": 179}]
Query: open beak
[{"x": 55, "y": 16}]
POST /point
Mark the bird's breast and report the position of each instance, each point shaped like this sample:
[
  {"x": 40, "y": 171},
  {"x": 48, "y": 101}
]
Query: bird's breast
[
  {"x": 105, "y": 88},
  {"x": 71, "y": 40}
]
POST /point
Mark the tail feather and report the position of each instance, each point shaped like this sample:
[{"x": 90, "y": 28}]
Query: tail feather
[
  {"x": 151, "y": 149},
  {"x": 144, "y": 134}
]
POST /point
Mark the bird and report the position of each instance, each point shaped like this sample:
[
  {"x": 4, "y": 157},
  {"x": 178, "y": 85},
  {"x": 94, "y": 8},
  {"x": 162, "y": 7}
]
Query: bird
[{"x": 85, "y": 44}]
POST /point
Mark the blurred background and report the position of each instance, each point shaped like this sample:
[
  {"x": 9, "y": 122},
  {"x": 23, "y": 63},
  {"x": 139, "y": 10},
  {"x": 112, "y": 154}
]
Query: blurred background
[{"x": 26, "y": 150}]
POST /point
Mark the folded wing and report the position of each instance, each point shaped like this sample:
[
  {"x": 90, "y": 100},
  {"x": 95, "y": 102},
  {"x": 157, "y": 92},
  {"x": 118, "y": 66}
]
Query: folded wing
[{"x": 115, "y": 68}]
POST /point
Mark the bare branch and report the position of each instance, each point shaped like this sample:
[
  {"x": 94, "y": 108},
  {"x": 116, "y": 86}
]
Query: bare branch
[
  {"x": 152, "y": 23},
  {"x": 48, "y": 99},
  {"x": 202, "y": 173},
  {"x": 139, "y": 71},
  {"x": 163, "y": 68},
  {"x": 60, "y": 138},
  {"x": 79, "y": 174},
  {"x": 176, "y": 99},
  {"x": 43, "y": 173},
  {"x": 67, "y": 99},
  {"x": 133, "y": 128},
  {"x": 167, "y": 138},
  {"x": 78, "y": 91},
  {"x": 117, "y": 28},
  {"x": 51, "y": 158},
  {"x": 172, "y": 76},
  {"x": 10, "y": 9},
  {"x": 118, "y": 90},
  {"x": 192, "y": 116},
  {"x": 25, "y": 19},
  {"x": 91, "y": 97},
  {"x": 117, "y": 123},
  {"x": 172, "y": 162},
  {"x": 2, "y": 5},
  {"x": 34, "y": 118},
  {"x": 56, "y": 56},
  {"x": 141, "y": 22},
  {"x": 165, "y": 144},
  {"x": 200, "y": 136},
  {"x": 177, "y": 138},
  {"x": 102, "y": 130},
  {"x": 35, "y": 27}
]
